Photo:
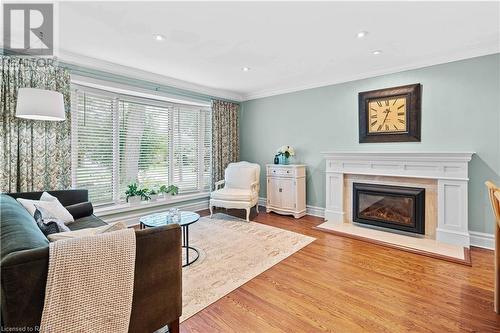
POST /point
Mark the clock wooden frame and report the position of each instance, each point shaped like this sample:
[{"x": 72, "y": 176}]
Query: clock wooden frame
[{"x": 412, "y": 94}]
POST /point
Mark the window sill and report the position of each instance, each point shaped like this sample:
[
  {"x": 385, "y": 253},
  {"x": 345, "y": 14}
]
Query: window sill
[{"x": 127, "y": 207}]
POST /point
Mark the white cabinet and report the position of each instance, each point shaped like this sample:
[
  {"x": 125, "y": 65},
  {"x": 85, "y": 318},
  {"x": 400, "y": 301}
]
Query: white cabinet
[{"x": 286, "y": 189}]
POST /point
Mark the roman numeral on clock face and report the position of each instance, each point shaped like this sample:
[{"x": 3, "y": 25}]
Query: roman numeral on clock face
[
  {"x": 379, "y": 103},
  {"x": 401, "y": 121},
  {"x": 373, "y": 124}
]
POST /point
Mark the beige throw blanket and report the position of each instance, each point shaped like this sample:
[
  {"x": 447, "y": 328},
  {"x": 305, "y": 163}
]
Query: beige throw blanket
[{"x": 90, "y": 284}]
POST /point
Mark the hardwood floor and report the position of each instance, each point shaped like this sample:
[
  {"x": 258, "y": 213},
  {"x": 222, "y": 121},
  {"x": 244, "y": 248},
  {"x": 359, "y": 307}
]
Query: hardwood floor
[{"x": 339, "y": 284}]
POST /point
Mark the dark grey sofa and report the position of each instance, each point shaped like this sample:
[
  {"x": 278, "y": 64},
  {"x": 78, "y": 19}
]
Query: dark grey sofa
[{"x": 157, "y": 299}]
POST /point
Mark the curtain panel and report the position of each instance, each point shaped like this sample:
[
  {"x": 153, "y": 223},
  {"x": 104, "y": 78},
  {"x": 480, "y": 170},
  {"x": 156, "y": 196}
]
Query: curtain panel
[
  {"x": 35, "y": 155},
  {"x": 225, "y": 137}
]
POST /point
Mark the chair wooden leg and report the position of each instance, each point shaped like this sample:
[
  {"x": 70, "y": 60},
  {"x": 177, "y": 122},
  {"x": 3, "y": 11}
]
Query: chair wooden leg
[
  {"x": 173, "y": 327},
  {"x": 248, "y": 214},
  {"x": 211, "y": 210},
  {"x": 497, "y": 268}
]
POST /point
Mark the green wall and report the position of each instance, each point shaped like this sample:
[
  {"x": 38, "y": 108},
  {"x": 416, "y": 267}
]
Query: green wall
[{"x": 460, "y": 112}]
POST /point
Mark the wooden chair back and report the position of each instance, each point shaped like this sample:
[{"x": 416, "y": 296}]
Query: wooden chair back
[{"x": 494, "y": 194}]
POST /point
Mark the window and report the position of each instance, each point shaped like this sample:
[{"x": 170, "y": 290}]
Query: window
[{"x": 120, "y": 139}]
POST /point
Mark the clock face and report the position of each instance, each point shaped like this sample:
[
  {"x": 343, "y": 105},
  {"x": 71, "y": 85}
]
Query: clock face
[{"x": 387, "y": 115}]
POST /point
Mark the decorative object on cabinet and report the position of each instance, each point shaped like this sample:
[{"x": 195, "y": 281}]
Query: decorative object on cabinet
[
  {"x": 286, "y": 189},
  {"x": 390, "y": 115},
  {"x": 284, "y": 153}
]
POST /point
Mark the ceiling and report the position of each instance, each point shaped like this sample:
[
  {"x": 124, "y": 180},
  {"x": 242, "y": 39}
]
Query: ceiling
[{"x": 287, "y": 46}]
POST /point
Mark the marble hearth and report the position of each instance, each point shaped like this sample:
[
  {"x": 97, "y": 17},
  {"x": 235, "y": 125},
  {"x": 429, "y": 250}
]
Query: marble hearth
[{"x": 444, "y": 175}]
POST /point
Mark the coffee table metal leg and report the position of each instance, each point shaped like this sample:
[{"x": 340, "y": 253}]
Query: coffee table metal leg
[{"x": 185, "y": 244}]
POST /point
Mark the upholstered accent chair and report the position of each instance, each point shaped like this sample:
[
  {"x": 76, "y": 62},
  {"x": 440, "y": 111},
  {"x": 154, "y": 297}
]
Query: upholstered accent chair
[{"x": 239, "y": 189}]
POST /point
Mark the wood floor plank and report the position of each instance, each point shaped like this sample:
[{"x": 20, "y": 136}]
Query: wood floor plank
[{"x": 338, "y": 284}]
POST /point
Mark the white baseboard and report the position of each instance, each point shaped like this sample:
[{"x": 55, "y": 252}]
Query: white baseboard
[
  {"x": 310, "y": 210},
  {"x": 481, "y": 239},
  {"x": 315, "y": 211}
]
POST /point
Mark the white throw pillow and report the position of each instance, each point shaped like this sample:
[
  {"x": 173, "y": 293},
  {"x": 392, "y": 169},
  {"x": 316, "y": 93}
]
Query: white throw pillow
[
  {"x": 86, "y": 232},
  {"x": 47, "y": 197},
  {"x": 239, "y": 177},
  {"x": 55, "y": 208}
]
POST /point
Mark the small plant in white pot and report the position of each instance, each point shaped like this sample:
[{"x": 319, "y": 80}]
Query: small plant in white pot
[
  {"x": 133, "y": 195},
  {"x": 144, "y": 193},
  {"x": 169, "y": 190},
  {"x": 153, "y": 195}
]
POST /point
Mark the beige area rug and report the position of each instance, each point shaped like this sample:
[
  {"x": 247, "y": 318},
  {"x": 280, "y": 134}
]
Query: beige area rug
[{"x": 232, "y": 252}]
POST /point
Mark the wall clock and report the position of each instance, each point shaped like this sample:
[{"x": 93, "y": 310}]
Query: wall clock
[{"x": 390, "y": 115}]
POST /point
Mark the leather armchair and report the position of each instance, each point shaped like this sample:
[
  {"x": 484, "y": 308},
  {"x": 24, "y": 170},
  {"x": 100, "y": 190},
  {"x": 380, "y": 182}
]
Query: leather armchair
[{"x": 239, "y": 189}]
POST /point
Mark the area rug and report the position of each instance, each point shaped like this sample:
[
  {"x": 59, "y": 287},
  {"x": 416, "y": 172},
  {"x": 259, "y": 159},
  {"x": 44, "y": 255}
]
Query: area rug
[{"x": 232, "y": 252}]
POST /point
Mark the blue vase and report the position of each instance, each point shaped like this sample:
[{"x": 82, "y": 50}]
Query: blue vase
[{"x": 284, "y": 160}]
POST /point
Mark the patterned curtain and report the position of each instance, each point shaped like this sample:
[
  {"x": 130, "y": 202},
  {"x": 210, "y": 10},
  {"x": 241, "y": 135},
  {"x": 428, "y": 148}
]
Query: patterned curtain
[
  {"x": 35, "y": 155},
  {"x": 225, "y": 137}
]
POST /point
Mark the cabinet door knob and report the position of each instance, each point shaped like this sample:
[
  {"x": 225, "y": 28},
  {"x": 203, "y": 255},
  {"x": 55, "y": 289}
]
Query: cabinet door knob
[{"x": 287, "y": 171}]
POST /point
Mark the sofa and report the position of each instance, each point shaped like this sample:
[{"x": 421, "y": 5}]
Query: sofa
[{"x": 157, "y": 298}]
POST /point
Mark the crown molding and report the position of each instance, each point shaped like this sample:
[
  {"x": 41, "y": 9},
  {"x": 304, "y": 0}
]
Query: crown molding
[
  {"x": 106, "y": 66},
  {"x": 466, "y": 53},
  {"x": 135, "y": 73}
]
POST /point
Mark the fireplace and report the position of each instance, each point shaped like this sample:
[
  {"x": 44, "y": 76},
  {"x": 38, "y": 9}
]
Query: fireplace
[{"x": 394, "y": 207}]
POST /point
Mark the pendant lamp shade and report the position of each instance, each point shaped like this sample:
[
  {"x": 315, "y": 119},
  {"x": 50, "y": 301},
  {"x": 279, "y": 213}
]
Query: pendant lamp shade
[{"x": 40, "y": 104}]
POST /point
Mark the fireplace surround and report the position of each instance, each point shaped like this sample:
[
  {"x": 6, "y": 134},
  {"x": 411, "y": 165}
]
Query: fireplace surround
[
  {"x": 395, "y": 207},
  {"x": 448, "y": 169}
]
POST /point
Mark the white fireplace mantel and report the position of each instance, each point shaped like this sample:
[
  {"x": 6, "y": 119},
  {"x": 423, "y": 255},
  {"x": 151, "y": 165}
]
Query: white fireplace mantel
[{"x": 450, "y": 169}]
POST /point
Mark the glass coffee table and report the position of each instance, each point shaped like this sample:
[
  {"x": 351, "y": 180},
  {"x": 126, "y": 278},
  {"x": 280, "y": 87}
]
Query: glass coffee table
[{"x": 187, "y": 218}]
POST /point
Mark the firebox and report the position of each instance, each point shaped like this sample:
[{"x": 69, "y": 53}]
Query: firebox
[{"x": 394, "y": 207}]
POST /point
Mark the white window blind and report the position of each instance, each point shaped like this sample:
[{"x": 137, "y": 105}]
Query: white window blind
[
  {"x": 144, "y": 148},
  {"x": 120, "y": 139},
  {"x": 93, "y": 158}
]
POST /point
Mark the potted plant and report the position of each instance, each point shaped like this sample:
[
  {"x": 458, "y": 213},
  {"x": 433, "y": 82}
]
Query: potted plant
[
  {"x": 284, "y": 153},
  {"x": 162, "y": 190},
  {"x": 169, "y": 190},
  {"x": 153, "y": 194},
  {"x": 172, "y": 190},
  {"x": 133, "y": 194},
  {"x": 144, "y": 193}
]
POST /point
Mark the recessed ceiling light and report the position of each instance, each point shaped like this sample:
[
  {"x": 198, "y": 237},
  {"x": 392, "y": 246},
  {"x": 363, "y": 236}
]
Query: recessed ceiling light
[
  {"x": 362, "y": 34},
  {"x": 158, "y": 37},
  {"x": 377, "y": 52},
  {"x": 245, "y": 69}
]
